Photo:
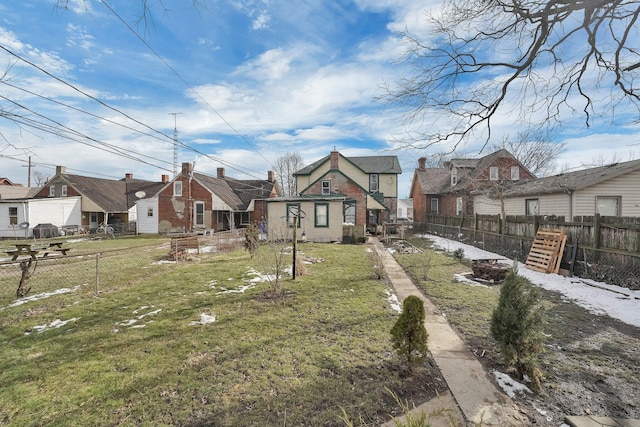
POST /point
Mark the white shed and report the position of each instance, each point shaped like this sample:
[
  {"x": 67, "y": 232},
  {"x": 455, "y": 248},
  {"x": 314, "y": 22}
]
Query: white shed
[{"x": 59, "y": 211}]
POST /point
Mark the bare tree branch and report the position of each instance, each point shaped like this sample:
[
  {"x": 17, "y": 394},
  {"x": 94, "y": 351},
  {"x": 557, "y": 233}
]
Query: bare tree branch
[{"x": 532, "y": 59}]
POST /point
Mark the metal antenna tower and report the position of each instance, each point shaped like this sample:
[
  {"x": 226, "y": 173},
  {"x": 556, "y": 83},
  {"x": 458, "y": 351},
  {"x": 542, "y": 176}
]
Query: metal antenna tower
[{"x": 175, "y": 143}]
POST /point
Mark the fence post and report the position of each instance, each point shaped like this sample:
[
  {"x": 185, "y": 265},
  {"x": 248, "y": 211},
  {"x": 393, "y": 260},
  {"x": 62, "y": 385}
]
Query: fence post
[
  {"x": 499, "y": 224},
  {"x": 475, "y": 226},
  {"x": 596, "y": 231},
  {"x": 97, "y": 272}
]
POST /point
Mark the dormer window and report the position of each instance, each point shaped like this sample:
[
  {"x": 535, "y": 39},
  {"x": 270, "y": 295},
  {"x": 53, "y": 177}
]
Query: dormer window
[
  {"x": 454, "y": 177},
  {"x": 63, "y": 192},
  {"x": 52, "y": 190}
]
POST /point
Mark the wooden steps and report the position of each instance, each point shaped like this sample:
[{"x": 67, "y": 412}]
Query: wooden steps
[{"x": 547, "y": 249}]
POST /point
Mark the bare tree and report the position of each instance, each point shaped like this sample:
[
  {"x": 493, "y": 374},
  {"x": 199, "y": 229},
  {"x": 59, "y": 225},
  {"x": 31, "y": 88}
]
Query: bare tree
[
  {"x": 39, "y": 178},
  {"x": 285, "y": 167},
  {"x": 535, "y": 58},
  {"x": 534, "y": 150}
]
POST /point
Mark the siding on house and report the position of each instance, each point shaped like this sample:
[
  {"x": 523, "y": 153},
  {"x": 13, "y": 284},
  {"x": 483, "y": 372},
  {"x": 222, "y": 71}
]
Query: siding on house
[
  {"x": 277, "y": 213},
  {"x": 57, "y": 211},
  {"x": 626, "y": 186},
  {"x": 147, "y": 224}
]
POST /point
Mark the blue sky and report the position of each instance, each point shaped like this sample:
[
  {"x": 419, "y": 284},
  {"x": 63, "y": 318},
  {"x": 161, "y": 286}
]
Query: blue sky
[{"x": 252, "y": 80}]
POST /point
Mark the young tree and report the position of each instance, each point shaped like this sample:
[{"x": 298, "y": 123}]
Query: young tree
[
  {"x": 408, "y": 335},
  {"x": 516, "y": 324},
  {"x": 252, "y": 239},
  {"x": 536, "y": 58},
  {"x": 285, "y": 167}
]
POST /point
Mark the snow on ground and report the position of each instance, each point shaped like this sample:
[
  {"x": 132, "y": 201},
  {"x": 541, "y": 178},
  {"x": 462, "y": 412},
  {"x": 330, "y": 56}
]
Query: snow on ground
[
  {"x": 597, "y": 297},
  {"x": 133, "y": 323},
  {"x": 204, "y": 319},
  {"x": 392, "y": 299},
  {"x": 53, "y": 325},
  {"x": 44, "y": 295},
  {"x": 509, "y": 385}
]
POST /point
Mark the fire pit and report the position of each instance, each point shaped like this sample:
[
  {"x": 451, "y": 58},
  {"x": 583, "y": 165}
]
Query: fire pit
[{"x": 489, "y": 269}]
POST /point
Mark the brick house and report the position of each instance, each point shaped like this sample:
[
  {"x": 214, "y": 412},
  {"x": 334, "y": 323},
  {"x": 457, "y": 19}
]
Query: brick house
[
  {"x": 369, "y": 186},
  {"x": 194, "y": 202},
  {"x": 103, "y": 200},
  {"x": 447, "y": 190}
]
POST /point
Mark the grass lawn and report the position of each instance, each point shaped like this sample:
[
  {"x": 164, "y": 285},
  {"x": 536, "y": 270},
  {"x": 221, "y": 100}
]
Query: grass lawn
[{"x": 141, "y": 352}]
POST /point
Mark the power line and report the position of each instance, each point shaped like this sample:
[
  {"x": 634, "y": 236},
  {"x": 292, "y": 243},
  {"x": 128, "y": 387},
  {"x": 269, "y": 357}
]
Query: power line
[{"x": 184, "y": 81}]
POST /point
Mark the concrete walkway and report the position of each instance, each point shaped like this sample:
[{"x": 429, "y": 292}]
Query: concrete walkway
[{"x": 474, "y": 398}]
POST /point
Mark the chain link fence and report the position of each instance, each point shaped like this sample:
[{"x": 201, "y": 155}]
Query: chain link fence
[
  {"x": 613, "y": 267},
  {"x": 106, "y": 270}
]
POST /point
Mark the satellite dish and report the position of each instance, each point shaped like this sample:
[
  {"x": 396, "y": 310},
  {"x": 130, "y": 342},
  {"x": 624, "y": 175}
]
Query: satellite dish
[
  {"x": 23, "y": 225},
  {"x": 140, "y": 194}
]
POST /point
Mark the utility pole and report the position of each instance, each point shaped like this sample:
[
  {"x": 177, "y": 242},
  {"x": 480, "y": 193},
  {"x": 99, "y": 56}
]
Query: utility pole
[
  {"x": 28, "y": 172},
  {"x": 175, "y": 143}
]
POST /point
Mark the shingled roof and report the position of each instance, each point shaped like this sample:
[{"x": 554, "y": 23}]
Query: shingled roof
[
  {"x": 433, "y": 180},
  {"x": 236, "y": 193},
  {"x": 570, "y": 181},
  {"x": 368, "y": 164}
]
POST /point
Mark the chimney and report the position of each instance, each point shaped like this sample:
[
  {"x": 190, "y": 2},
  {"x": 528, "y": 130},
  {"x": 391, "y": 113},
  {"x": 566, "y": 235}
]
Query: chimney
[
  {"x": 165, "y": 179},
  {"x": 128, "y": 176},
  {"x": 270, "y": 176},
  {"x": 186, "y": 169},
  {"x": 422, "y": 162},
  {"x": 220, "y": 172},
  {"x": 334, "y": 159},
  {"x": 60, "y": 170}
]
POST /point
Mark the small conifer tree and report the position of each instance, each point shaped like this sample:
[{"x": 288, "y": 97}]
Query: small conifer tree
[
  {"x": 517, "y": 326},
  {"x": 409, "y": 336},
  {"x": 252, "y": 239}
]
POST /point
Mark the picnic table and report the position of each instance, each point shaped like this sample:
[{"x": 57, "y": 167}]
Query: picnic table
[{"x": 32, "y": 250}]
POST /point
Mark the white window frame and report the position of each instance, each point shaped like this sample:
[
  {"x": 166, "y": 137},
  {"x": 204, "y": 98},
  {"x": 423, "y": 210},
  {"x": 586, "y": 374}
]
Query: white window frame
[
  {"x": 515, "y": 173},
  {"x": 349, "y": 212},
  {"x": 494, "y": 173},
  {"x": 459, "y": 206},
  {"x": 177, "y": 188},
  {"x": 532, "y": 207},
  {"x": 600, "y": 205},
  {"x": 149, "y": 212},
  {"x": 52, "y": 190},
  {"x": 454, "y": 177},
  {"x": 63, "y": 191},
  {"x": 245, "y": 218},
  {"x": 196, "y": 214},
  {"x": 326, "y": 187},
  {"x": 321, "y": 219},
  {"x": 437, "y": 207}
]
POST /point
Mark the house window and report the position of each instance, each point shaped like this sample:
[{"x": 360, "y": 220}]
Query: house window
[
  {"x": 515, "y": 173},
  {"x": 244, "y": 218},
  {"x": 454, "y": 177},
  {"x": 321, "y": 214},
  {"x": 459, "y": 206},
  {"x": 434, "y": 206},
  {"x": 493, "y": 173},
  {"x": 326, "y": 187},
  {"x": 198, "y": 218},
  {"x": 149, "y": 212},
  {"x": 52, "y": 191},
  {"x": 349, "y": 209},
  {"x": 293, "y": 211},
  {"x": 93, "y": 217},
  {"x": 531, "y": 207},
  {"x": 13, "y": 216},
  {"x": 177, "y": 188},
  {"x": 608, "y": 205},
  {"x": 373, "y": 182},
  {"x": 63, "y": 191}
]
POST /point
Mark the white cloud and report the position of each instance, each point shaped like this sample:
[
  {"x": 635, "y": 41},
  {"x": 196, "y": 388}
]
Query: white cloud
[{"x": 261, "y": 22}]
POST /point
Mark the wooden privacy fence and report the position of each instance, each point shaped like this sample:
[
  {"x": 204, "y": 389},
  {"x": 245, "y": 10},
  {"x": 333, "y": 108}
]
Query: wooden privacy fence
[{"x": 600, "y": 248}]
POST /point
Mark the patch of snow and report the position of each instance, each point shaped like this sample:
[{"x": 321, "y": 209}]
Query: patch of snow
[
  {"x": 509, "y": 386},
  {"x": 163, "y": 261},
  {"x": 44, "y": 295},
  {"x": 53, "y": 325},
  {"x": 132, "y": 322},
  {"x": 204, "y": 319},
  {"x": 368, "y": 249},
  {"x": 394, "y": 304},
  {"x": 597, "y": 297},
  {"x": 464, "y": 279}
]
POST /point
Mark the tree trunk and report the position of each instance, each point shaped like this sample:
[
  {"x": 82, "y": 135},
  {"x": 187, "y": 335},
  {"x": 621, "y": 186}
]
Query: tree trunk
[{"x": 25, "y": 266}]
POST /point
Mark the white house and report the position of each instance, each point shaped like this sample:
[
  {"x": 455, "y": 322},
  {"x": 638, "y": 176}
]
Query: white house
[
  {"x": 147, "y": 215},
  {"x": 16, "y": 214},
  {"x": 612, "y": 190}
]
